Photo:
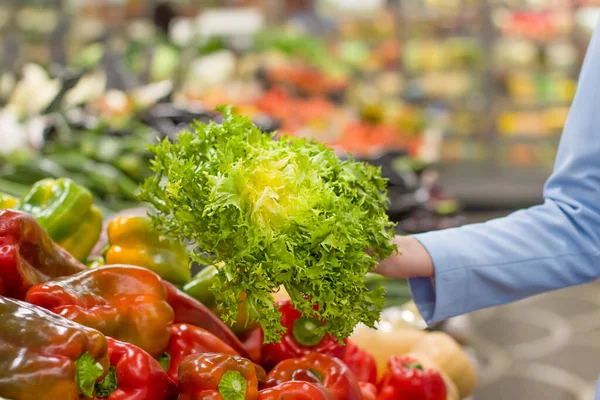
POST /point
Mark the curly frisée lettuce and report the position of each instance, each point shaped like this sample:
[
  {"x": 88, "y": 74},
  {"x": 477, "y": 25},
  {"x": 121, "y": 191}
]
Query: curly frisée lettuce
[{"x": 274, "y": 212}]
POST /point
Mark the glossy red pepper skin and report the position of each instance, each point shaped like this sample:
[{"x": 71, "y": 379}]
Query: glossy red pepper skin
[
  {"x": 124, "y": 302},
  {"x": 201, "y": 374},
  {"x": 28, "y": 256},
  {"x": 361, "y": 363},
  {"x": 39, "y": 350},
  {"x": 190, "y": 311},
  {"x": 139, "y": 375},
  {"x": 330, "y": 371},
  {"x": 406, "y": 380},
  {"x": 189, "y": 339},
  {"x": 368, "y": 390},
  {"x": 289, "y": 347},
  {"x": 295, "y": 390},
  {"x": 253, "y": 343}
]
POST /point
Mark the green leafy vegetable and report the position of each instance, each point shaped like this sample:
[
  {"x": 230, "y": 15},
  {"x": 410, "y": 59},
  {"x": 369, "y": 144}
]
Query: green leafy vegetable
[
  {"x": 233, "y": 386},
  {"x": 87, "y": 372},
  {"x": 275, "y": 212},
  {"x": 108, "y": 385}
]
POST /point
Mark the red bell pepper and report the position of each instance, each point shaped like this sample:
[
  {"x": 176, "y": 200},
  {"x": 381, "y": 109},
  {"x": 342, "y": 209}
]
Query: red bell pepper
[
  {"x": 406, "y": 379},
  {"x": 361, "y": 363},
  {"x": 330, "y": 371},
  {"x": 124, "y": 302},
  {"x": 133, "y": 375},
  {"x": 190, "y": 311},
  {"x": 368, "y": 391},
  {"x": 189, "y": 339},
  {"x": 211, "y": 376},
  {"x": 299, "y": 339},
  {"x": 295, "y": 390},
  {"x": 253, "y": 343},
  {"x": 45, "y": 356},
  {"x": 28, "y": 256}
]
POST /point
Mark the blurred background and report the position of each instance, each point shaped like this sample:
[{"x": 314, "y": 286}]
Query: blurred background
[{"x": 461, "y": 103}]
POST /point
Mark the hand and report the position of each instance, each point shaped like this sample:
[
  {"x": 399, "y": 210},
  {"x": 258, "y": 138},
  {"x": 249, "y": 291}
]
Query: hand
[{"x": 412, "y": 260}]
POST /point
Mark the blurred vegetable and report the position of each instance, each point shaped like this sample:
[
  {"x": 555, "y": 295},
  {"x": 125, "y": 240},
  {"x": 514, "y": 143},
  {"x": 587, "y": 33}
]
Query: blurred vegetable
[
  {"x": 133, "y": 242},
  {"x": 406, "y": 379},
  {"x": 451, "y": 358},
  {"x": 361, "y": 363},
  {"x": 7, "y": 201},
  {"x": 386, "y": 341}
]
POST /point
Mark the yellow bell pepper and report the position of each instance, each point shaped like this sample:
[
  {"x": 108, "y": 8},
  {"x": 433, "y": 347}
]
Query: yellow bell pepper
[
  {"x": 7, "y": 201},
  {"x": 134, "y": 242}
]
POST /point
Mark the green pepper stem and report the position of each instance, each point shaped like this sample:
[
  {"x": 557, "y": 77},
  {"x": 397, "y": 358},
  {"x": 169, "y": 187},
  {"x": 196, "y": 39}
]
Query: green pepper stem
[
  {"x": 233, "y": 386},
  {"x": 109, "y": 384},
  {"x": 304, "y": 331},
  {"x": 87, "y": 372},
  {"x": 415, "y": 365},
  {"x": 165, "y": 361}
]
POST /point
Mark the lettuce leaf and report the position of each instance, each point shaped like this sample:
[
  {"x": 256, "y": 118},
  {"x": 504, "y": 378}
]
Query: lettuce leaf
[{"x": 274, "y": 212}]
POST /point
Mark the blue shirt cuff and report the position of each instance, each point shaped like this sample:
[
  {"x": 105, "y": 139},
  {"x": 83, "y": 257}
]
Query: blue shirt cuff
[{"x": 446, "y": 295}]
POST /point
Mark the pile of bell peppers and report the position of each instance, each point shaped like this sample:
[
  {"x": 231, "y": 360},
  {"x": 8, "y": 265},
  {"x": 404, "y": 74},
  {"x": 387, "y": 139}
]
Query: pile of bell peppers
[{"x": 136, "y": 325}]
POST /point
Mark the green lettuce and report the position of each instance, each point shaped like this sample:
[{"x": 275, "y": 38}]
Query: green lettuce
[{"x": 274, "y": 212}]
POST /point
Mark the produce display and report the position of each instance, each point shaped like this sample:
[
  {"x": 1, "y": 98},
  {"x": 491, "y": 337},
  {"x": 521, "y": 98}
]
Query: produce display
[{"x": 243, "y": 277}]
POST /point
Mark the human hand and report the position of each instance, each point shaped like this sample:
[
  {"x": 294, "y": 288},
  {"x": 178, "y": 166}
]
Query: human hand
[{"x": 412, "y": 260}]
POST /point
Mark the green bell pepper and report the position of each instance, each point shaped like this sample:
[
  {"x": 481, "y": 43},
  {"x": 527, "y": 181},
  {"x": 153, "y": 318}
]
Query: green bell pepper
[{"x": 66, "y": 211}]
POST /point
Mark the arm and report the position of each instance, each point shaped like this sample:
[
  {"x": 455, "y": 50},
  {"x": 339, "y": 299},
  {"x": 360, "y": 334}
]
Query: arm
[{"x": 546, "y": 247}]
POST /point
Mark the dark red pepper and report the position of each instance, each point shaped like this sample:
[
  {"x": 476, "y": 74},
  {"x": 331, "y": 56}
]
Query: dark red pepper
[
  {"x": 28, "y": 256},
  {"x": 330, "y": 371},
  {"x": 124, "y": 302},
  {"x": 361, "y": 363},
  {"x": 253, "y": 343},
  {"x": 295, "y": 390},
  {"x": 299, "y": 339},
  {"x": 406, "y": 379},
  {"x": 190, "y": 311},
  {"x": 189, "y": 339},
  {"x": 133, "y": 375}
]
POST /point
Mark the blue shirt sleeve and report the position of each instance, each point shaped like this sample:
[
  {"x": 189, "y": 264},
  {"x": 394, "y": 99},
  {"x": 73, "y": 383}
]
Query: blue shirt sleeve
[{"x": 550, "y": 246}]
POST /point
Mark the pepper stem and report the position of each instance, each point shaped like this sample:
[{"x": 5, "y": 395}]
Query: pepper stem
[
  {"x": 415, "y": 365},
  {"x": 109, "y": 384},
  {"x": 233, "y": 386},
  {"x": 87, "y": 372},
  {"x": 165, "y": 361},
  {"x": 304, "y": 331}
]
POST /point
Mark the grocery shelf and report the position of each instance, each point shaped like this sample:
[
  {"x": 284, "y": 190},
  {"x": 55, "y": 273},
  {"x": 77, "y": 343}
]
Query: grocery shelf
[{"x": 480, "y": 186}]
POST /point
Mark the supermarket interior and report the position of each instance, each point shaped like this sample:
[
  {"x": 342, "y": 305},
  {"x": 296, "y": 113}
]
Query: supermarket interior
[{"x": 460, "y": 103}]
